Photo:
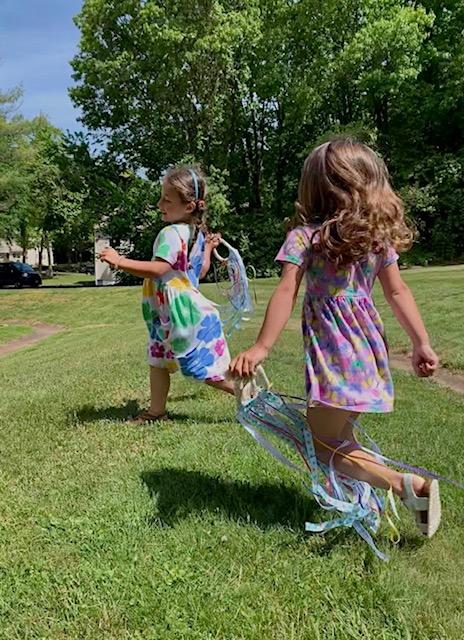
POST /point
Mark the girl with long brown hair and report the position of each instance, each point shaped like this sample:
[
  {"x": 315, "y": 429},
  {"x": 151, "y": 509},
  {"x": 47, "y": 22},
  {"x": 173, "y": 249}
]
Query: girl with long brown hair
[{"x": 348, "y": 230}]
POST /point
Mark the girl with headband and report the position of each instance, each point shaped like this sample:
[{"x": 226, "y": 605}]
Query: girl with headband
[{"x": 185, "y": 330}]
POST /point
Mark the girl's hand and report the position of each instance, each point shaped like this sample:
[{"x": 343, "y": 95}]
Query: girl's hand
[
  {"x": 111, "y": 256},
  {"x": 213, "y": 240},
  {"x": 424, "y": 361},
  {"x": 245, "y": 363}
]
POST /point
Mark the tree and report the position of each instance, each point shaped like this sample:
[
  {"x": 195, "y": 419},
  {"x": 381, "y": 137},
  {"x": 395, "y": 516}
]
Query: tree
[
  {"x": 14, "y": 154},
  {"x": 248, "y": 88}
]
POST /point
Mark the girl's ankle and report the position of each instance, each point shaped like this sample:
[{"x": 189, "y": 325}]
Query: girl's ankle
[{"x": 421, "y": 487}]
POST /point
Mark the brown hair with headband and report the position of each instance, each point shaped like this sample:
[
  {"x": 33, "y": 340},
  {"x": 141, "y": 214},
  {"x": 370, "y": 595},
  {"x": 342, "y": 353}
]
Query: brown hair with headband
[
  {"x": 345, "y": 188},
  {"x": 182, "y": 179}
]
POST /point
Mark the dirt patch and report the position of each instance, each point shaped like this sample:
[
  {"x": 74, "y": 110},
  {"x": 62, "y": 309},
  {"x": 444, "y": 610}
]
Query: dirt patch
[
  {"x": 40, "y": 331},
  {"x": 443, "y": 377}
]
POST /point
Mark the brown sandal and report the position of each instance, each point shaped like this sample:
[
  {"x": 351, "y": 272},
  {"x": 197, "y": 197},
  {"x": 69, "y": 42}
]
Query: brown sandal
[{"x": 146, "y": 417}]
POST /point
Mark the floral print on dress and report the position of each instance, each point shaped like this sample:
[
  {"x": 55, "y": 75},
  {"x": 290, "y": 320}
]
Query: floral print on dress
[
  {"x": 196, "y": 363},
  {"x": 184, "y": 327},
  {"x": 196, "y": 259},
  {"x": 220, "y": 346},
  {"x": 346, "y": 354},
  {"x": 210, "y": 328}
]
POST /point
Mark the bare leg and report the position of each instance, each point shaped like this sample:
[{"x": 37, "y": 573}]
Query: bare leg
[
  {"x": 328, "y": 424},
  {"x": 223, "y": 385},
  {"x": 160, "y": 381}
]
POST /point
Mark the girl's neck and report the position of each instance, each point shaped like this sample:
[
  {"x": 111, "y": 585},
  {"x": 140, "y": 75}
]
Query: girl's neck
[{"x": 187, "y": 222}]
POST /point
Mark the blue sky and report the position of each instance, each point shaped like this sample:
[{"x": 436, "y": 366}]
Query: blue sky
[{"x": 37, "y": 40}]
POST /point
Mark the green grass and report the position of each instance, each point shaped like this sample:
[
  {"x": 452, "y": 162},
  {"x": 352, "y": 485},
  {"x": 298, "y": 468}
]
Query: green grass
[
  {"x": 68, "y": 279},
  {"x": 439, "y": 292},
  {"x": 188, "y": 530},
  {"x": 9, "y": 332}
]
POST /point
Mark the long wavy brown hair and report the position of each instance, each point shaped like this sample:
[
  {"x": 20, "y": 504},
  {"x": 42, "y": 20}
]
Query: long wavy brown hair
[{"x": 345, "y": 191}]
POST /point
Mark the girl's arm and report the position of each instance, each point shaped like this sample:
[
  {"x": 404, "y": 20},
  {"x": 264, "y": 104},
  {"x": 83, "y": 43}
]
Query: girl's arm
[
  {"x": 212, "y": 242},
  {"x": 278, "y": 312},
  {"x": 400, "y": 298},
  {"x": 140, "y": 268}
]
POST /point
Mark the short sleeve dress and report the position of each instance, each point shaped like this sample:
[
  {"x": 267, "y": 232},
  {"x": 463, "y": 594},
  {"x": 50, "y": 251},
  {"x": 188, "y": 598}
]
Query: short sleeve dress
[
  {"x": 346, "y": 353},
  {"x": 184, "y": 327}
]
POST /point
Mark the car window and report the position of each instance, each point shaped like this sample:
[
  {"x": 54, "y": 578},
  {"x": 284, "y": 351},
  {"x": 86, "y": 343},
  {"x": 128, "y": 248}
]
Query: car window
[{"x": 25, "y": 268}]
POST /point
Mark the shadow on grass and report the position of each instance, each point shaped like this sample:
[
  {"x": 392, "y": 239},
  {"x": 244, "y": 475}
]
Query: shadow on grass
[
  {"x": 120, "y": 413},
  {"x": 90, "y": 413},
  {"x": 74, "y": 285},
  {"x": 184, "y": 396},
  {"x": 179, "y": 492},
  {"x": 411, "y": 541}
]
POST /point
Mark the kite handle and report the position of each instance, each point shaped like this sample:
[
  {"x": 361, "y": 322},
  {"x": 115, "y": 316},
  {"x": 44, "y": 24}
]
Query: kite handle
[
  {"x": 218, "y": 256},
  {"x": 216, "y": 253},
  {"x": 248, "y": 388},
  {"x": 261, "y": 375},
  {"x": 248, "y": 268},
  {"x": 253, "y": 277}
]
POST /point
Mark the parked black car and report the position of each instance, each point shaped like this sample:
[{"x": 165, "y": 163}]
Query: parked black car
[{"x": 19, "y": 275}]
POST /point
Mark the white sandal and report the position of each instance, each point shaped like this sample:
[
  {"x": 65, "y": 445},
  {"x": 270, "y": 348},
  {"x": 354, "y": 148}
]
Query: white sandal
[{"x": 426, "y": 509}]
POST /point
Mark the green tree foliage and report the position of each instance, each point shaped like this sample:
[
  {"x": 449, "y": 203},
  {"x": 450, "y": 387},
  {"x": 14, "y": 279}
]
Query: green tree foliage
[
  {"x": 14, "y": 156},
  {"x": 247, "y": 88}
]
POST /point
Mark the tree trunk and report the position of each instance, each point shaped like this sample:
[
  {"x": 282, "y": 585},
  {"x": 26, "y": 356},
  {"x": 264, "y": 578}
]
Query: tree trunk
[
  {"x": 41, "y": 248},
  {"x": 256, "y": 171},
  {"x": 280, "y": 165},
  {"x": 252, "y": 154},
  {"x": 49, "y": 256},
  {"x": 24, "y": 242}
]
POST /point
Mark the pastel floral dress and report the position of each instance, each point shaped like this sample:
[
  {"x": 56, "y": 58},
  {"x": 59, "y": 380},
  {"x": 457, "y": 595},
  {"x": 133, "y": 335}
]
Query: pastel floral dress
[
  {"x": 184, "y": 327},
  {"x": 346, "y": 353}
]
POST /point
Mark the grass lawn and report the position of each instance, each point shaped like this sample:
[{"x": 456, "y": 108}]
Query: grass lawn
[
  {"x": 439, "y": 292},
  {"x": 68, "y": 279},
  {"x": 11, "y": 332},
  {"x": 188, "y": 530}
]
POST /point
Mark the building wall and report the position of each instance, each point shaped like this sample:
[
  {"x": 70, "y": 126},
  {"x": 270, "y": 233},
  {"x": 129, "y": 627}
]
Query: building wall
[{"x": 13, "y": 253}]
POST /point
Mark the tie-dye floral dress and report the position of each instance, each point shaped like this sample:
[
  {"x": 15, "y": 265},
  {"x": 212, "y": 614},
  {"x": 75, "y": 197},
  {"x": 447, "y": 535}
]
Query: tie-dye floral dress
[
  {"x": 184, "y": 327},
  {"x": 346, "y": 353}
]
